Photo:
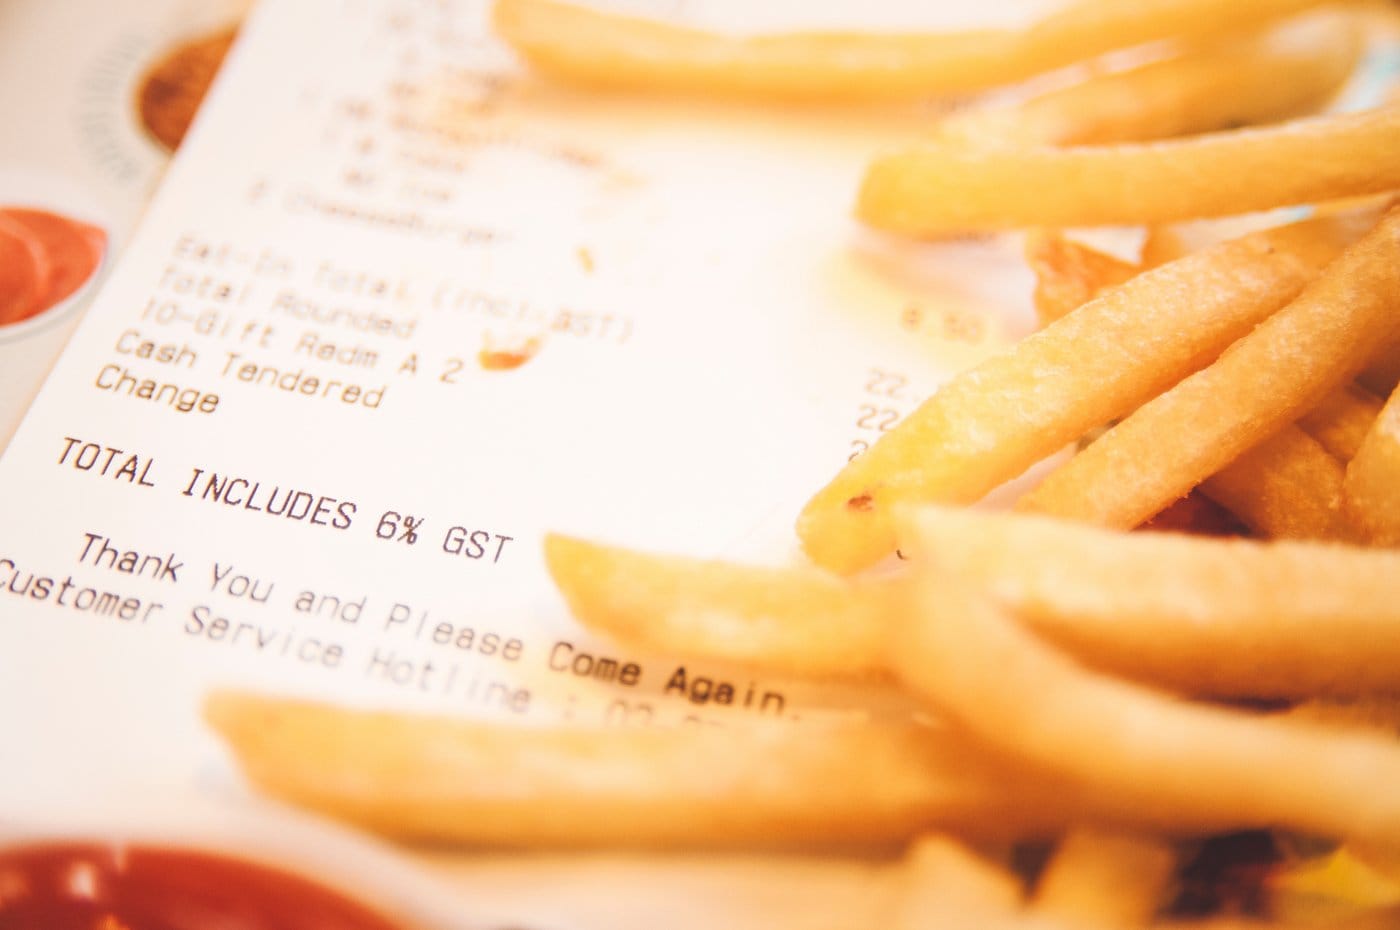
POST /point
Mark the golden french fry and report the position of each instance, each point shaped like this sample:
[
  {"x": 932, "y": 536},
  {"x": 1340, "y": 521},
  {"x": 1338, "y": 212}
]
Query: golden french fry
[
  {"x": 793, "y": 620},
  {"x": 788, "y": 619},
  {"x": 438, "y": 779},
  {"x": 1224, "y": 617},
  {"x": 1069, "y": 274},
  {"x": 944, "y": 884},
  {"x": 1256, "y": 610},
  {"x": 1197, "y": 766},
  {"x": 989, "y": 424},
  {"x": 1286, "y": 72},
  {"x": 943, "y": 188},
  {"x": 1342, "y": 420},
  {"x": 597, "y": 48},
  {"x": 1373, "y": 478},
  {"x": 1099, "y": 878},
  {"x": 1264, "y": 381},
  {"x": 1287, "y": 486}
]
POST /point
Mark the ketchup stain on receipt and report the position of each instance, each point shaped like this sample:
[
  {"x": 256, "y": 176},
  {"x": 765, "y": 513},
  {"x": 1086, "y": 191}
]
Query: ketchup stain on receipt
[
  {"x": 44, "y": 259},
  {"x": 496, "y": 358},
  {"x": 96, "y": 887}
]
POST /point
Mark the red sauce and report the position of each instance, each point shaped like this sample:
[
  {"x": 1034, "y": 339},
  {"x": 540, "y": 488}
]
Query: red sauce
[
  {"x": 20, "y": 288},
  {"x": 493, "y": 359},
  {"x": 92, "y": 887},
  {"x": 44, "y": 258}
]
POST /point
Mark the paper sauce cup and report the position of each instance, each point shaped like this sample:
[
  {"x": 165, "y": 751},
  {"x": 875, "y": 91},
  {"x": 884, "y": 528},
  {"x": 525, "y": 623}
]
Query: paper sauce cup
[{"x": 49, "y": 259}]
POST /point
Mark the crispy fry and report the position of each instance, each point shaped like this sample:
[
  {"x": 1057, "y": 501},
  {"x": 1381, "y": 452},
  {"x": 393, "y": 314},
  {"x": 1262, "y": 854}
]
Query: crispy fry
[
  {"x": 1256, "y": 610},
  {"x": 794, "y": 620},
  {"x": 443, "y": 780},
  {"x": 1225, "y": 617},
  {"x": 989, "y": 424},
  {"x": 1261, "y": 383},
  {"x": 1287, "y": 486},
  {"x": 1373, "y": 479},
  {"x": 610, "y": 50},
  {"x": 941, "y": 188},
  {"x": 1069, "y": 274},
  {"x": 1103, "y": 879},
  {"x": 944, "y": 884},
  {"x": 1340, "y": 422},
  {"x": 1197, "y": 766},
  {"x": 789, "y": 619},
  {"x": 1286, "y": 72}
]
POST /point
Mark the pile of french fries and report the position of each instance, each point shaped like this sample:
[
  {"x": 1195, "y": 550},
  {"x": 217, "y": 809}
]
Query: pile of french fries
[{"x": 1116, "y": 696}]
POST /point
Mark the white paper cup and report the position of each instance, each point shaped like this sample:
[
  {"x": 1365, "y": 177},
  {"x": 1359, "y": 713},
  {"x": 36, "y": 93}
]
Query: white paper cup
[{"x": 29, "y": 347}]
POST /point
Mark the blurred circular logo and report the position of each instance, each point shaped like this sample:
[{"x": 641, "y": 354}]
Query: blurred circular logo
[{"x": 171, "y": 90}]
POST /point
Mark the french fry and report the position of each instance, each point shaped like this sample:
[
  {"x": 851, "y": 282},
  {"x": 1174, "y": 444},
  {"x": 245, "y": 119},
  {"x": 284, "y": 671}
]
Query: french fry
[
  {"x": 1099, "y": 878},
  {"x": 1069, "y": 274},
  {"x": 1222, "y": 617},
  {"x": 1342, "y": 420},
  {"x": 788, "y": 619},
  {"x": 1286, "y": 72},
  {"x": 944, "y": 884},
  {"x": 1264, "y": 381},
  {"x": 944, "y": 188},
  {"x": 1287, "y": 487},
  {"x": 1197, "y": 766},
  {"x": 435, "y": 779},
  {"x": 595, "y": 48},
  {"x": 989, "y": 424},
  {"x": 1256, "y": 610},
  {"x": 1373, "y": 478}
]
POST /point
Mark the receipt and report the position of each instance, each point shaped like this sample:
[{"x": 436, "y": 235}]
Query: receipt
[{"x": 398, "y": 310}]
